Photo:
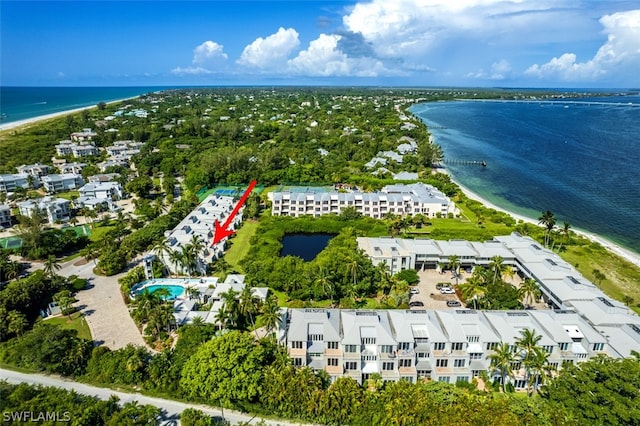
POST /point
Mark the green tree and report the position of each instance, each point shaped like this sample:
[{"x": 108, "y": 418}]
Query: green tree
[
  {"x": 227, "y": 369},
  {"x": 548, "y": 221},
  {"x": 501, "y": 361},
  {"x": 271, "y": 314},
  {"x": 598, "y": 276},
  {"x": 529, "y": 291},
  {"x": 65, "y": 301},
  {"x": 454, "y": 265},
  {"x": 51, "y": 266},
  {"x": 528, "y": 344}
]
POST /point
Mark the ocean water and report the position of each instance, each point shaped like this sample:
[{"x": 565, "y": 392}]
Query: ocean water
[
  {"x": 21, "y": 103},
  {"x": 580, "y": 159}
]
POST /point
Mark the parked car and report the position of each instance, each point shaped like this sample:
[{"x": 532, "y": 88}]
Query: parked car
[
  {"x": 414, "y": 290},
  {"x": 453, "y": 303},
  {"x": 416, "y": 303},
  {"x": 447, "y": 290}
]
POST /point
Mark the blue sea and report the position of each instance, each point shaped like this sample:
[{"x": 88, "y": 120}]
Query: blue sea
[
  {"x": 21, "y": 103},
  {"x": 578, "y": 158}
]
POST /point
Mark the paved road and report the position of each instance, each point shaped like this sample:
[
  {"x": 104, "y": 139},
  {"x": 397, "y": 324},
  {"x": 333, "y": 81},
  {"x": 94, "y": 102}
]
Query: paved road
[{"x": 171, "y": 409}]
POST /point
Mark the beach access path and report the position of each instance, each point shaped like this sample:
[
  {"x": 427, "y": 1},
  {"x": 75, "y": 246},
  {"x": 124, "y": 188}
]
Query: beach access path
[{"x": 103, "y": 307}]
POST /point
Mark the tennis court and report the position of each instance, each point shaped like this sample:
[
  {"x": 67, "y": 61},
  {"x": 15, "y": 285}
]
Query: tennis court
[
  {"x": 10, "y": 243},
  {"x": 227, "y": 192}
]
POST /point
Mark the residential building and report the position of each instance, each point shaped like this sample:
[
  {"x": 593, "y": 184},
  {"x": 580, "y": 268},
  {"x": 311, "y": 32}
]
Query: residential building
[
  {"x": 9, "y": 183},
  {"x": 402, "y": 200},
  {"x": 36, "y": 170},
  {"x": 53, "y": 209},
  {"x": 5, "y": 216},
  {"x": 200, "y": 224},
  {"x": 107, "y": 190},
  {"x": 104, "y": 165},
  {"x": 103, "y": 177},
  {"x": 77, "y": 149},
  {"x": 74, "y": 168},
  {"x": 84, "y": 135},
  {"x": 62, "y": 182}
]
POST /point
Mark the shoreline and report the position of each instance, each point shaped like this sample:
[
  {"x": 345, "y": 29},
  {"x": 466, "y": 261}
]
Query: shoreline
[
  {"x": 33, "y": 120},
  {"x": 609, "y": 245}
]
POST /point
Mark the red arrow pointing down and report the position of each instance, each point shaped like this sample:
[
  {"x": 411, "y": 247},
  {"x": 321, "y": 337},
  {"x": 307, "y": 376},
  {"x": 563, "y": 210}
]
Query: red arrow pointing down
[{"x": 222, "y": 231}]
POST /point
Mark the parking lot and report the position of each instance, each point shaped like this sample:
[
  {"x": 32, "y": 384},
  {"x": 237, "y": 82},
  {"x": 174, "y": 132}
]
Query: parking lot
[{"x": 430, "y": 295}]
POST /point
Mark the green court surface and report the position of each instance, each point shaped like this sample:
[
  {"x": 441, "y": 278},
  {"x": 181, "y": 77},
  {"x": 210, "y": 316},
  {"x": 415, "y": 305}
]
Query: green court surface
[
  {"x": 10, "y": 243},
  {"x": 227, "y": 190}
]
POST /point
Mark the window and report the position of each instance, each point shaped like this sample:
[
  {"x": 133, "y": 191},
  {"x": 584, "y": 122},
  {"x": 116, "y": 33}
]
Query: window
[
  {"x": 462, "y": 379},
  {"x": 457, "y": 346},
  {"x": 549, "y": 349},
  {"x": 491, "y": 346},
  {"x": 296, "y": 345},
  {"x": 475, "y": 356},
  {"x": 407, "y": 379},
  {"x": 423, "y": 354},
  {"x": 350, "y": 365},
  {"x": 519, "y": 384},
  {"x": 404, "y": 363},
  {"x": 564, "y": 346},
  {"x": 369, "y": 357},
  {"x": 598, "y": 346},
  {"x": 368, "y": 340},
  {"x": 473, "y": 339},
  {"x": 458, "y": 363},
  {"x": 439, "y": 346},
  {"x": 404, "y": 346},
  {"x": 424, "y": 373},
  {"x": 387, "y": 366},
  {"x": 386, "y": 349},
  {"x": 297, "y": 362},
  {"x": 315, "y": 354},
  {"x": 442, "y": 362},
  {"x": 350, "y": 348},
  {"x": 445, "y": 379},
  {"x": 332, "y": 345},
  {"x": 332, "y": 362}
]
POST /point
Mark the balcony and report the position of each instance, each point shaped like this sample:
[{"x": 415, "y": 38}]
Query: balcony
[{"x": 405, "y": 353}]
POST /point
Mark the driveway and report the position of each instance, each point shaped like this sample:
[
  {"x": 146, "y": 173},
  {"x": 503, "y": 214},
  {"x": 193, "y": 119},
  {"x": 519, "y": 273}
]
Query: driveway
[{"x": 429, "y": 295}]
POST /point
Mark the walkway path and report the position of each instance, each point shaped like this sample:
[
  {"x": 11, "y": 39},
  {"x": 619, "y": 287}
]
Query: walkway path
[
  {"x": 103, "y": 307},
  {"x": 171, "y": 409}
]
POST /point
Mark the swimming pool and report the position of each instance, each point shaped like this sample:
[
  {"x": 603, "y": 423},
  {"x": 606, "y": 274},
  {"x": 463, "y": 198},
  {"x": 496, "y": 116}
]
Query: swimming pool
[{"x": 175, "y": 291}]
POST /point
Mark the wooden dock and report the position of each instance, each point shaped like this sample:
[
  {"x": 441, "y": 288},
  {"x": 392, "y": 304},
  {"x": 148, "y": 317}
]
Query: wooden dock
[{"x": 466, "y": 162}]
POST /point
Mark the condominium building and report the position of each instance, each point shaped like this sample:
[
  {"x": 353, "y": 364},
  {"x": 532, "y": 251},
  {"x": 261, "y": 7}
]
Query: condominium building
[
  {"x": 9, "y": 183},
  {"x": 108, "y": 190},
  {"x": 447, "y": 346},
  {"x": 78, "y": 150},
  {"x": 36, "y": 170},
  {"x": 200, "y": 224},
  {"x": 54, "y": 209},
  {"x": 5, "y": 216},
  {"x": 62, "y": 182},
  {"x": 403, "y": 200},
  {"x": 75, "y": 168},
  {"x": 84, "y": 135}
]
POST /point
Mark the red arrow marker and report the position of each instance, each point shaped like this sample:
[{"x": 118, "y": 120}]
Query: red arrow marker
[{"x": 221, "y": 231}]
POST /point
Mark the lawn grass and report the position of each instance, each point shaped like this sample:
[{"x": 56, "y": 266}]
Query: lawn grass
[
  {"x": 241, "y": 244},
  {"x": 77, "y": 323},
  {"x": 97, "y": 233},
  {"x": 67, "y": 195}
]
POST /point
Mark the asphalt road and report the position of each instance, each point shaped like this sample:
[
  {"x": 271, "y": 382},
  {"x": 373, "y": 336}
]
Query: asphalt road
[{"x": 171, "y": 409}]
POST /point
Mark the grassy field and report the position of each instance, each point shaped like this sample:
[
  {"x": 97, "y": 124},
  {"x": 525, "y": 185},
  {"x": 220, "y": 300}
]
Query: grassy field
[
  {"x": 77, "y": 323},
  {"x": 241, "y": 244},
  {"x": 68, "y": 195}
]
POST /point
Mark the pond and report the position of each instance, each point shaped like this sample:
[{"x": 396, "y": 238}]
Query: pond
[{"x": 306, "y": 246}]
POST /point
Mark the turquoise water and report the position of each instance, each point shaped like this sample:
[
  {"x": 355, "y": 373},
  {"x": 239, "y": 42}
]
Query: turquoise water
[
  {"x": 21, "y": 103},
  {"x": 581, "y": 160},
  {"x": 175, "y": 291}
]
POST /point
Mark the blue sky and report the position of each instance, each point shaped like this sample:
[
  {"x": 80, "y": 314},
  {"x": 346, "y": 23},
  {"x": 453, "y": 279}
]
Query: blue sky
[{"x": 515, "y": 43}]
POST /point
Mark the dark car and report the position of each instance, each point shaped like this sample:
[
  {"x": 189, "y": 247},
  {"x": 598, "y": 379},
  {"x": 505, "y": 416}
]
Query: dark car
[
  {"x": 453, "y": 303},
  {"x": 416, "y": 303}
]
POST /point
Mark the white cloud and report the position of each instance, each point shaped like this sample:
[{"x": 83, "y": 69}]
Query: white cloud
[
  {"x": 620, "y": 54},
  {"x": 271, "y": 51},
  {"x": 500, "y": 70},
  {"x": 209, "y": 50},
  {"x": 324, "y": 58},
  {"x": 190, "y": 71}
]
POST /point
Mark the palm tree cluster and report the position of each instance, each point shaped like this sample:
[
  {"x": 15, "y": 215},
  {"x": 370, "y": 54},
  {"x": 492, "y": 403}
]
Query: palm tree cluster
[
  {"x": 9, "y": 269},
  {"x": 525, "y": 354},
  {"x": 548, "y": 221},
  {"x": 183, "y": 260},
  {"x": 153, "y": 311}
]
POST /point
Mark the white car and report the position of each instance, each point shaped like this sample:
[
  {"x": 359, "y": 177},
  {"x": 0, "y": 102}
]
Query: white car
[
  {"x": 414, "y": 290},
  {"x": 447, "y": 290}
]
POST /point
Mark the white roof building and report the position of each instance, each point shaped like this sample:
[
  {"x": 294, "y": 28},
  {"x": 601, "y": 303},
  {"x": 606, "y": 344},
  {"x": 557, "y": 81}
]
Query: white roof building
[
  {"x": 54, "y": 209},
  {"x": 5, "y": 216},
  {"x": 9, "y": 183},
  {"x": 62, "y": 182},
  {"x": 36, "y": 170}
]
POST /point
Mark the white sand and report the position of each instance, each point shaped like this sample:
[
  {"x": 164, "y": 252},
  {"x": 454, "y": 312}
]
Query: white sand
[
  {"x": 614, "y": 248},
  {"x": 20, "y": 123}
]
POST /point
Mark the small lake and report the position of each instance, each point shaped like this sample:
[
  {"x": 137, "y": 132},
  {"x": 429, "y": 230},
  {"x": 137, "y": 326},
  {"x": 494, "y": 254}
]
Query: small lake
[{"x": 306, "y": 246}]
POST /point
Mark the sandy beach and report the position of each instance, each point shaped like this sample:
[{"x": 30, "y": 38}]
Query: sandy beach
[
  {"x": 614, "y": 248},
  {"x": 29, "y": 121}
]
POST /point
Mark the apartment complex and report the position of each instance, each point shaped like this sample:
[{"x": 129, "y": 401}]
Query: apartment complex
[
  {"x": 446, "y": 346},
  {"x": 77, "y": 149},
  {"x": 200, "y": 224},
  {"x": 96, "y": 194},
  {"x": 5, "y": 216},
  {"x": 61, "y": 182},
  {"x": 402, "y": 200},
  {"x": 53, "y": 209},
  {"x": 36, "y": 170},
  {"x": 9, "y": 183}
]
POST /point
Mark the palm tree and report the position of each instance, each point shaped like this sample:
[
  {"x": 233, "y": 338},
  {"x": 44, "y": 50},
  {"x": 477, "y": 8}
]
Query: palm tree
[
  {"x": 51, "y": 266},
  {"x": 231, "y": 306},
  {"x": 472, "y": 289},
  {"x": 528, "y": 344},
  {"x": 162, "y": 248},
  {"x": 248, "y": 304},
  {"x": 501, "y": 361},
  {"x": 197, "y": 246},
  {"x": 529, "y": 291},
  {"x": 548, "y": 221},
  {"x": 177, "y": 261},
  {"x": 271, "y": 314},
  {"x": 539, "y": 369},
  {"x": 496, "y": 267},
  {"x": 565, "y": 230},
  {"x": 325, "y": 283},
  {"x": 454, "y": 265}
]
